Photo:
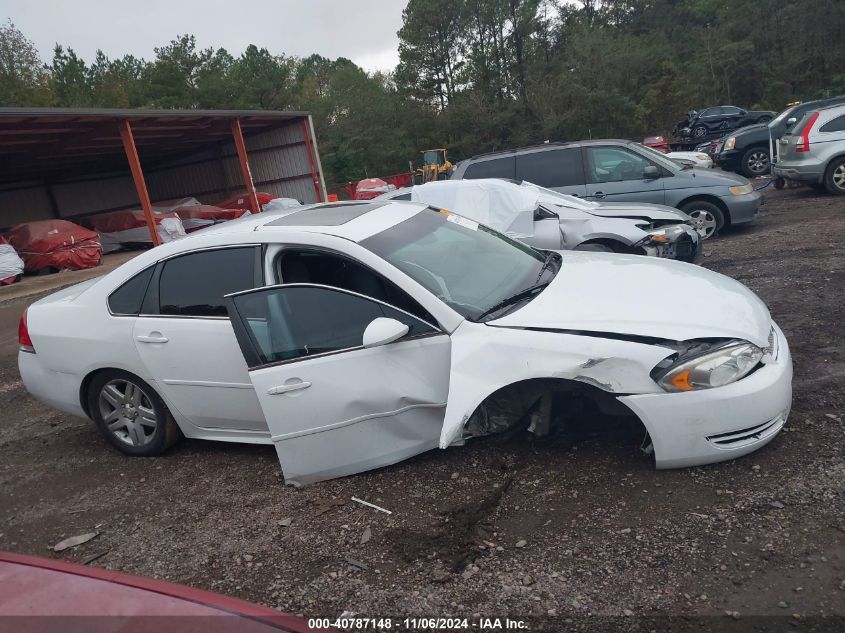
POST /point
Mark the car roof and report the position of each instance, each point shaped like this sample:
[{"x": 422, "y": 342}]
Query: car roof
[
  {"x": 354, "y": 220},
  {"x": 548, "y": 146}
]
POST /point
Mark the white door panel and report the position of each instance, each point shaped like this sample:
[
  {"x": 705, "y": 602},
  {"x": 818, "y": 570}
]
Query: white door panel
[
  {"x": 199, "y": 368},
  {"x": 352, "y": 411}
]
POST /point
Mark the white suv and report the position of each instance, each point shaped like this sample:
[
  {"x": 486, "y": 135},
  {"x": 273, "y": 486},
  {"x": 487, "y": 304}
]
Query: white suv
[{"x": 814, "y": 151}]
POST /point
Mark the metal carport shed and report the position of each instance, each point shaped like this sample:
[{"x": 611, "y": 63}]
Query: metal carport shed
[{"x": 70, "y": 163}]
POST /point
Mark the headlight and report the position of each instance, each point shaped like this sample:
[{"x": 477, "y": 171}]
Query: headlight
[
  {"x": 741, "y": 190},
  {"x": 712, "y": 369},
  {"x": 730, "y": 143},
  {"x": 702, "y": 156}
]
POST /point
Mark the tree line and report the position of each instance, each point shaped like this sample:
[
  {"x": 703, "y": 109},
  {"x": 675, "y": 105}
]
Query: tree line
[{"x": 478, "y": 75}]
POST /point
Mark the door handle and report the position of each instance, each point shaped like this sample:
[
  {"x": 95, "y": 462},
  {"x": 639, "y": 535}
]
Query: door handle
[
  {"x": 599, "y": 195},
  {"x": 155, "y": 337},
  {"x": 294, "y": 386}
]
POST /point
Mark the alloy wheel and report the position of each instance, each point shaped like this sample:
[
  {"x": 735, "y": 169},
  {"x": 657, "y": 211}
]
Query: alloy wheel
[
  {"x": 128, "y": 412},
  {"x": 758, "y": 162},
  {"x": 703, "y": 222},
  {"x": 838, "y": 177}
]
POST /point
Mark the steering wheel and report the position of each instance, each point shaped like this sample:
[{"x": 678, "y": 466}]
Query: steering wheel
[
  {"x": 435, "y": 281},
  {"x": 624, "y": 170}
]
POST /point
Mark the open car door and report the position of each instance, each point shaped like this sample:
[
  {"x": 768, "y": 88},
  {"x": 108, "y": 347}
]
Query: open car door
[{"x": 346, "y": 383}]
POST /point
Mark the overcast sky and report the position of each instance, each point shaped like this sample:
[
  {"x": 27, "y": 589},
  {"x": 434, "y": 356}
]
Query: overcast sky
[{"x": 363, "y": 31}]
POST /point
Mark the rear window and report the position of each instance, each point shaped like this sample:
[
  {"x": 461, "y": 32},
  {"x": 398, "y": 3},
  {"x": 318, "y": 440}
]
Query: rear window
[
  {"x": 195, "y": 284},
  {"x": 551, "y": 168},
  {"x": 836, "y": 125},
  {"x": 493, "y": 168},
  {"x": 127, "y": 299}
]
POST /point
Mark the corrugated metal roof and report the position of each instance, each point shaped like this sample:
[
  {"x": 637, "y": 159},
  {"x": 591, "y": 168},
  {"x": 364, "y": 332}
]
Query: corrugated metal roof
[{"x": 54, "y": 144}]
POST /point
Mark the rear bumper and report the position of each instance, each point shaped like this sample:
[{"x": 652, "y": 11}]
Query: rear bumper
[
  {"x": 801, "y": 173},
  {"x": 714, "y": 425},
  {"x": 55, "y": 389},
  {"x": 743, "y": 208}
]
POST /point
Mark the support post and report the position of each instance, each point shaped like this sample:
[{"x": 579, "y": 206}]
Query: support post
[
  {"x": 138, "y": 177},
  {"x": 309, "y": 147},
  {"x": 240, "y": 146}
]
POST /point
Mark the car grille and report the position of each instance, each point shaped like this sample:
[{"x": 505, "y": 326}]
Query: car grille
[{"x": 743, "y": 437}]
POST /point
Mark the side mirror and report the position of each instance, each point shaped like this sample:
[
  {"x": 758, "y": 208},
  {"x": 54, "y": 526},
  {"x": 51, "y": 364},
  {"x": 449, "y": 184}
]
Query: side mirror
[
  {"x": 651, "y": 172},
  {"x": 791, "y": 121},
  {"x": 382, "y": 331}
]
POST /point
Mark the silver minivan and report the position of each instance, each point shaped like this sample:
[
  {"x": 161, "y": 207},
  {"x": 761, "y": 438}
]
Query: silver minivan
[
  {"x": 814, "y": 150},
  {"x": 624, "y": 171}
]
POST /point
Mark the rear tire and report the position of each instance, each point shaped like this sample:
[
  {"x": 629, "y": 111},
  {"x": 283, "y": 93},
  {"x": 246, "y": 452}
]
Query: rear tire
[
  {"x": 130, "y": 415},
  {"x": 707, "y": 218},
  {"x": 755, "y": 162},
  {"x": 834, "y": 177},
  {"x": 764, "y": 119},
  {"x": 699, "y": 131}
]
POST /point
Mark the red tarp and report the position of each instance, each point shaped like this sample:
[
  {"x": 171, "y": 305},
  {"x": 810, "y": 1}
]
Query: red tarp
[
  {"x": 397, "y": 180},
  {"x": 241, "y": 201},
  {"x": 657, "y": 142},
  {"x": 197, "y": 216},
  {"x": 55, "y": 243},
  {"x": 370, "y": 188},
  {"x": 114, "y": 221}
]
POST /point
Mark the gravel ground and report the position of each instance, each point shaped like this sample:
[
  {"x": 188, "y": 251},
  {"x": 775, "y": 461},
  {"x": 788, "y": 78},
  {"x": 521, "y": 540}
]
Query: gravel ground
[{"x": 581, "y": 537}]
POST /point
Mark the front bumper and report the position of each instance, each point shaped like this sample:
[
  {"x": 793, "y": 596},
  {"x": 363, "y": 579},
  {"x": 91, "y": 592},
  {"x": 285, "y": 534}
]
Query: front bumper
[
  {"x": 743, "y": 208},
  {"x": 728, "y": 160},
  {"x": 684, "y": 244},
  {"x": 714, "y": 425}
]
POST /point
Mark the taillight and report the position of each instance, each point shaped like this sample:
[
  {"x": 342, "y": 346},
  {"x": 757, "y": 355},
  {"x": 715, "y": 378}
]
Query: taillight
[
  {"x": 24, "y": 342},
  {"x": 803, "y": 144}
]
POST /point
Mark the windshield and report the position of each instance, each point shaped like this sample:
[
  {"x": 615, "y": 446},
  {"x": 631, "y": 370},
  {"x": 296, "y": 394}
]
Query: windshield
[
  {"x": 658, "y": 157},
  {"x": 470, "y": 267},
  {"x": 781, "y": 117},
  {"x": 433, "y": 157}
]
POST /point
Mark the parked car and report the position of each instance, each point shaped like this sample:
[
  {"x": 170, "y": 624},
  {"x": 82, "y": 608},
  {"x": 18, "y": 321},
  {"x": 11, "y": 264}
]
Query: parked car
[
  {"x": 657, "y": 142},
  {"x": 814, "y": 150},
  {"x": 624, "y": 171},
  {"x": 693, "y": 159},
  {"x": 35, "y": 588},
  {"x": 546, "y": 219},
  {"x": 354, "y": 335},
  {"x": 749, "y": 150},
  {"x": 699, "y": 124}
]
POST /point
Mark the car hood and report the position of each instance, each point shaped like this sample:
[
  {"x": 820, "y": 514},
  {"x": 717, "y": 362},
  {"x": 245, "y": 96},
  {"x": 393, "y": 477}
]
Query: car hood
[
  {"x": 637, "y": 210},
  {"x": 644, "y": 296},
  {"x": 757, "y": 127},
  {"x": 705, "y": 178}
]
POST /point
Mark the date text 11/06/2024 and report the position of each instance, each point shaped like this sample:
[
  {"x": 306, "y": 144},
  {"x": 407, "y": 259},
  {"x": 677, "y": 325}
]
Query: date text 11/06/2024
[{"x": 418, "y": 624}]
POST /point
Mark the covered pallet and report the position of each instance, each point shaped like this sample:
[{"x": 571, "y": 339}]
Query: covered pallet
[
  {"x": 55, "y": 244},
  {"x": 128, "y": 229},
  {"x": 11, "y": 265}
]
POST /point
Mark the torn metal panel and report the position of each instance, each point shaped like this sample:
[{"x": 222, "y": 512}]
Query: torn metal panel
[{"x": 483, "y": 364}]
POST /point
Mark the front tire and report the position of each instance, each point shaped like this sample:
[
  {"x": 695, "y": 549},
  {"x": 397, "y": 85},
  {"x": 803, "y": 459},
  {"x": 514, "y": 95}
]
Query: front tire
[
  {"x": 834, "y": 177},
  {"x": 130, "y": 415},
  {"x": 755, "y": 162},
  {"x": 707, "y": 218}
]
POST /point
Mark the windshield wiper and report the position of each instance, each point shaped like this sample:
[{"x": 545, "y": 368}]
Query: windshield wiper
[
  {"x": 515, "y": 298},
  {"x": 545, "y": 265}
]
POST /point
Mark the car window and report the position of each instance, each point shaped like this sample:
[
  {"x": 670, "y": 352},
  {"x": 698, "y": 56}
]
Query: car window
[
  {"x": 730, "y": 110},
  {"x": 195, "y": 284},
  {"x": 290, "y": 322},
  {"x": 551, "y": 168},
  {"x": 493, "y": 168},
  {"x": 710, "y": 112},
  {"x": 129, "y": 297},
  {"x": 614, "y": 164},
  {"x": 328, "y": 269},
  {"x": 836, "y": 125}
]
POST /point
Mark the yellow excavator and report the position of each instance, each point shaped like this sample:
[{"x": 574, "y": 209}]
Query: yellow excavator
[{"x": 435, "y": 166}]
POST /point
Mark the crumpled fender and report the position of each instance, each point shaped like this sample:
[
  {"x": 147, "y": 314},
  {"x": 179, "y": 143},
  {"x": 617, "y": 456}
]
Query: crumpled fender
[{"x": 484, "y": 361}]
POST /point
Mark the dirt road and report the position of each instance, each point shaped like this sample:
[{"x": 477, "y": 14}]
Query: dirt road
[{"x": 574, "y": 535}]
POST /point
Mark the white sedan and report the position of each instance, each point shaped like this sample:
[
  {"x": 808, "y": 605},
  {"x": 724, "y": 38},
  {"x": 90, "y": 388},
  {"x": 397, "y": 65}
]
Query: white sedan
[{"x": 355, "y": 335}]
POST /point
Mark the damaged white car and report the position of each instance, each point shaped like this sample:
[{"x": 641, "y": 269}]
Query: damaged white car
[
  {"x": 547, "y": 219},
  {"x": 354, "y": 335}
]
